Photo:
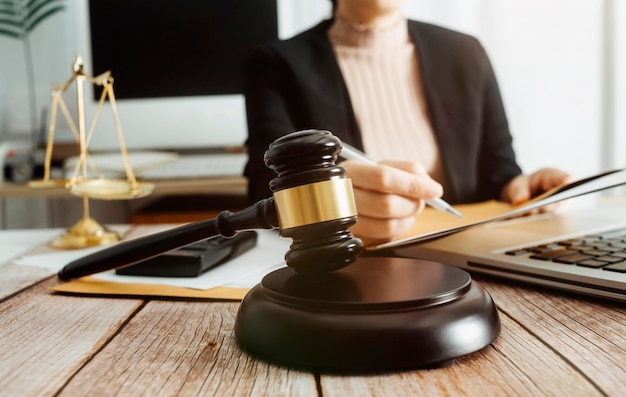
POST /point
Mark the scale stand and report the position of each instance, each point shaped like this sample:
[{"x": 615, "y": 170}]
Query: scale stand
[{"x": 88, "y": 232}]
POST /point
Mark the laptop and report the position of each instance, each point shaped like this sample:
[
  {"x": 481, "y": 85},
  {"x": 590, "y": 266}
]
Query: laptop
[
  {"x": 581, "y": 250},
  {"x": 159, "y": 165}
]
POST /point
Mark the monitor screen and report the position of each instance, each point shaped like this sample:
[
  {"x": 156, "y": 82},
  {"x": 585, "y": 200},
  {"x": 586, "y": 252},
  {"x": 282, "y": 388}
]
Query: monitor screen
[
  {"x": 160, "y": 48},
  {"x": 177, "y": 68}
]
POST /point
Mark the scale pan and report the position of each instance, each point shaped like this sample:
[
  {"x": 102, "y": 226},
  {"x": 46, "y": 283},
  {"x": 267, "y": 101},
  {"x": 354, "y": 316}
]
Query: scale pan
[{"x": 110, "y": 189}]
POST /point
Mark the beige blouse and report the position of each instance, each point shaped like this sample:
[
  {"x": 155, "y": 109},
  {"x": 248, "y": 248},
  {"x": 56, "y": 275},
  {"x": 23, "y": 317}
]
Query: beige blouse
[{"x": 381, "y": 70}]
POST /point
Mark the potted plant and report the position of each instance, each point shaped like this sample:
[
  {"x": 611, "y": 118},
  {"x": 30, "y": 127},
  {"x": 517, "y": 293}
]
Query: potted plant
[{"x": 18, "y": 18}]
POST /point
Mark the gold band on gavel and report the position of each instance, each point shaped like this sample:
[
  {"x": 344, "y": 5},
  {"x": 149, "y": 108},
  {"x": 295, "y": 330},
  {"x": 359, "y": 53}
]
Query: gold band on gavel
[{"x": 315, "y": 202}]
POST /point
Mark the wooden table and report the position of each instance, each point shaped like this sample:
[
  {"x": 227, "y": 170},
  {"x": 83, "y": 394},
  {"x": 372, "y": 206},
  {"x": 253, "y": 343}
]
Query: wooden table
[
  {"x": 552, "y": 344},
  {"x": 52, "y": 206},
  {"x": 165, "y": 187}
]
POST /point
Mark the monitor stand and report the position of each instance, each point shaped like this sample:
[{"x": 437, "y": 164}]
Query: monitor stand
[{"x": 377, "y": 314}]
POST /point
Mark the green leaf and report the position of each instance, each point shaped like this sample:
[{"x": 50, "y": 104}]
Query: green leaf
[
  {"x": 10, "y": 22},
  {"x": 10, "y": 33},
  {"x": 30, "y": 25},
  {"x": 24, "y": 16},
  {"x": 11, "y": 28},
  {"x": 34, "y": 6},
  {"x": 8, "y": 11},
  {"x": 8, "y": 4}
]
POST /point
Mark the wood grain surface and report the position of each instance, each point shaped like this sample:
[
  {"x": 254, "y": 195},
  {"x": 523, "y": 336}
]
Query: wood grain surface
[{"x": 552, "y": 344}]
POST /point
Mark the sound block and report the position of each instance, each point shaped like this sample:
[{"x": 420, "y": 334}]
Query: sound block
[{"x": 378, "y": 314}]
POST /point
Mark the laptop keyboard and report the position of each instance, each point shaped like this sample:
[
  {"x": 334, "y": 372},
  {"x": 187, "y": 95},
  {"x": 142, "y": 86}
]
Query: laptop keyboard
[
  {"x": 605, "y": 251},
  {"x": 199, "y": 166}
]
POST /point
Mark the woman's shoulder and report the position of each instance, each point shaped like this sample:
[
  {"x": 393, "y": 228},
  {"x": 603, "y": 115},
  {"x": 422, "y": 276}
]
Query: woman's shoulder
[
  {"x": 432, "y": 38},
  {"x": 437, "y": 32},
  {"x": 308, "y": 46},
  {"x": 316, "y": 35}
]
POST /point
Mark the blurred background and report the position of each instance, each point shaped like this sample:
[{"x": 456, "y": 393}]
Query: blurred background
[{"x": 560, "y": 65}]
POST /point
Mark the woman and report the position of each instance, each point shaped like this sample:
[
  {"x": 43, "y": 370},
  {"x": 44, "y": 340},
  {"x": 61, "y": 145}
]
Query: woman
[{"x": 420, "y": 99}]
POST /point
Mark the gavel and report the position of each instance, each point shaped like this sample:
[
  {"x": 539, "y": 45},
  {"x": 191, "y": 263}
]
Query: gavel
[
  {"x": 312, "y": 203},
  {"x": 330, "y": 309}
]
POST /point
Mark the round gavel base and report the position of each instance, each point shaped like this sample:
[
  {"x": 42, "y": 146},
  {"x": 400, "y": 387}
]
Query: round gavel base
[{"x": 378, "y": 314}]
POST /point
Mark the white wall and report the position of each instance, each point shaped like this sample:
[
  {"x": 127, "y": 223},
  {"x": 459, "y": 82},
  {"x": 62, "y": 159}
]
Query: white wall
[
  {"x": 548, "y": 59},
  {"x": 297, "y": 15},
  {"x": 620, "y": 83},
  {"x": 52, "y": 61},
  {"x": 616, "y": 144}
]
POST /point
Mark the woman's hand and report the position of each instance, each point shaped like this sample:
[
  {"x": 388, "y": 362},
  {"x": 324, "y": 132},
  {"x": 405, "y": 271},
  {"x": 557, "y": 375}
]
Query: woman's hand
[
  {"x": 524, "y": 187},
  {"x": 388, "y": 196}
]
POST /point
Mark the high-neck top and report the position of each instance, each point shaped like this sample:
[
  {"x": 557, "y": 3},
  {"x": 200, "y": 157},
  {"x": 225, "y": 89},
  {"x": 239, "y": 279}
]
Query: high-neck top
[
  {"x": 350, "y": 34},
  {"x": 381, "y": 71}
]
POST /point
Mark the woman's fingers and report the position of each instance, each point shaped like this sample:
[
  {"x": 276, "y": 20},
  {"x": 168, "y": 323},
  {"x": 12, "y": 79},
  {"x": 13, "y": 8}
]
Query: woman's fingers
[
  {"x": 388, "y": 196},
  {"x": 377, "y": 205},
  {"x": 390, "y": 180},
  {"x": 375, "y": 230}
]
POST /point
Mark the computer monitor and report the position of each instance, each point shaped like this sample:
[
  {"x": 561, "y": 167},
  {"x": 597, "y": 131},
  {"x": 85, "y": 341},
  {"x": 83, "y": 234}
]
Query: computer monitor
[{"x": 177, "y": 68}]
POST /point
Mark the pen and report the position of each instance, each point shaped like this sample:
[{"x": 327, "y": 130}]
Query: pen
[{"x": 350, "y": 153}]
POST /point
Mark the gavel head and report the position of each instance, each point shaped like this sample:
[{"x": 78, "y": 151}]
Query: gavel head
[{"x": 314, "y": 201}]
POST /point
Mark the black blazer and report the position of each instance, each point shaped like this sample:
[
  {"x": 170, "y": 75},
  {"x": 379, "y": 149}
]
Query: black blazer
[{"x": 296, "y": 84}]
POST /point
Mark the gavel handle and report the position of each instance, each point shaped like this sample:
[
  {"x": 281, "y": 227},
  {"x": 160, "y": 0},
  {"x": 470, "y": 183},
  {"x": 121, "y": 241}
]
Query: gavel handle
[{"x": 261, "y": 215}]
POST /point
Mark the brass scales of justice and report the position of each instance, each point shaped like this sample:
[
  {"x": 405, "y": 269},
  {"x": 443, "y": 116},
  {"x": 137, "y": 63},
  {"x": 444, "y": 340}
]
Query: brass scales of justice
[{"x": 86, "y": 181}]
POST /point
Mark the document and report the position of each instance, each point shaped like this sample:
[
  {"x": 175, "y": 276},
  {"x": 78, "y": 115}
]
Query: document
[
  {"x": 230, "y": 280},
  {"x": 432, "y": 226}
]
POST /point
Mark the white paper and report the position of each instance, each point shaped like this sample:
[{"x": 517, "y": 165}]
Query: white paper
[
  {"x": 54, "y": 261},
  {"x": 578, "y": 188},
  {"x": 15, "y": 242},
  {"x": 244, "y": 271}
]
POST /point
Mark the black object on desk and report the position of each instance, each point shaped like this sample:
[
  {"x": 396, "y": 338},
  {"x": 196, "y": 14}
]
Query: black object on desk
[
  {"x": 194, "y": 259},
  {"x": 330, "y": 309},
  {"x": 378, "y": 314}
]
